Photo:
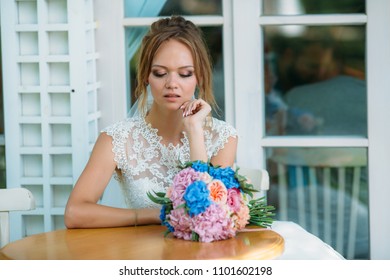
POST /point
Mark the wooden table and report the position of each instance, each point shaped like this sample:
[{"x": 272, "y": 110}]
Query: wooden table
[{"x": 140, "y": 243}]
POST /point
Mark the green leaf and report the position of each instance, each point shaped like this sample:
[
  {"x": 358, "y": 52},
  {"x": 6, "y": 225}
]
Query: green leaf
[
  {"x": 260, "y": 213},
  {"x": 194, "y": 236},
  {"x": 157, "y": 199},
  {"x": 160, "y": 194}
]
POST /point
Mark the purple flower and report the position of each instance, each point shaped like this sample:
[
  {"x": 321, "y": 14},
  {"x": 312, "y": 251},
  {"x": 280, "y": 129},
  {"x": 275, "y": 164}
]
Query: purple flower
[{"x": 197, "y": 198}]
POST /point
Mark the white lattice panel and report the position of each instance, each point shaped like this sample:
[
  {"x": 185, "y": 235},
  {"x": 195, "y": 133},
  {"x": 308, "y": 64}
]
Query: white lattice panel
[{"x": 50, "y": 100}]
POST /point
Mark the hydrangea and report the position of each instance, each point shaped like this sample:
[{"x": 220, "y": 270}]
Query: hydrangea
[
  {"x": 196, "y": 197},
  {"x": 226, "y": 175}
]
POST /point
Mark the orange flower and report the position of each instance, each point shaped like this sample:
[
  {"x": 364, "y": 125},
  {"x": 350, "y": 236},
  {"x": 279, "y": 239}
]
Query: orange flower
[
  {"x": 242, "y": 217},
  {"x": 218, "y": 191}
]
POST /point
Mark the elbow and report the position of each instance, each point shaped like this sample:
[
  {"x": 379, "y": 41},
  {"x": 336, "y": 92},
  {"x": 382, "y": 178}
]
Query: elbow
[{"x": 72, "y": 217}]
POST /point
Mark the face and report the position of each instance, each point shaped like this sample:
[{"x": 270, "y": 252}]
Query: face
[{"x": 172, "y": 78}]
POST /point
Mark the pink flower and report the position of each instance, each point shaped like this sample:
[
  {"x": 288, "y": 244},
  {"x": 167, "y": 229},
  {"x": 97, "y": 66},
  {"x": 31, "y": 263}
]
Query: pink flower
[
  {"x": 205, "y": 177},
  {"x": 234, "y": 199},
  {"x": 180, "y": 182},
  {"x": 218, "y": 191},
  {"x": 169, "y": 191},
  {"x": 242, "y": 217},
  {"x": 181, "y": 223},
  {"x": 213, "y": 224},
  {"x": 186, "y": 177}
]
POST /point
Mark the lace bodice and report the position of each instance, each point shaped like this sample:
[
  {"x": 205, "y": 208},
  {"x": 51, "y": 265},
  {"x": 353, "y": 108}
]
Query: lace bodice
[{"x": 146, "y": 164}]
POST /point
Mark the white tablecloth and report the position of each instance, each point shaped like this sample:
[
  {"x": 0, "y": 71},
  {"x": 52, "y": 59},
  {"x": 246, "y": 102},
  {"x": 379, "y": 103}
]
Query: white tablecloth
[{"x": 299, "y": 244}]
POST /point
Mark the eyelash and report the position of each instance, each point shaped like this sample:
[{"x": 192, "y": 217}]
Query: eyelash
[{"x": 160, "y": 75}]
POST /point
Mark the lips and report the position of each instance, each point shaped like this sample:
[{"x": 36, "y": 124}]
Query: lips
[{"x": 171, "y": 95}]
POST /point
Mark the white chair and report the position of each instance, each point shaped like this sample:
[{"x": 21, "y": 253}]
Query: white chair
[
  {"x": 320, "y": 190},
  {"x": 12, "y": 199},
  {"x": 259, "y": 179}
]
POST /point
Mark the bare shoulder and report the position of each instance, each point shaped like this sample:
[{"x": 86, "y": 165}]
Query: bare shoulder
[{"x": 103, "y": 147}]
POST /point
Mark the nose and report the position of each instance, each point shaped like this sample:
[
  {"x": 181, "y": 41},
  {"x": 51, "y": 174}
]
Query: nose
[{"x": 171, "y": 81}]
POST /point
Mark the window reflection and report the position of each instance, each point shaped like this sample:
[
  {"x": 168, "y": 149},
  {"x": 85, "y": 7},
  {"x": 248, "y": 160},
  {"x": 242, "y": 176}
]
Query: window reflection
[
  {"x": 2, "y": 142},
  {"x": 299, "y": 7},
  {"x": 315, "y": 80},
  {"x": 325, "y": 191},
  {"x": 153, "y": 8},
  {"x": 192, "y": 7}
]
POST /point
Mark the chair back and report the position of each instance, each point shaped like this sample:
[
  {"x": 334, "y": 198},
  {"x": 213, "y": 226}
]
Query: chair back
[
  {"x": 320, "y": 190},
  {"x": 12, "y": 199},
  {"x": 259, "y": 178}
]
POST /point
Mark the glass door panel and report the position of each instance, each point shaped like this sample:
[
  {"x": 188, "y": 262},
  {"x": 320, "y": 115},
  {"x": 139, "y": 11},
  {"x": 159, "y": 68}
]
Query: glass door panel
[
  {"x": 152, "y": 8},
  {"x": 315, "y": 86},
  {"x": 315, "y": 80},
  {"x": 297, "y": 7},
  {"x": 325, "y": 190}
]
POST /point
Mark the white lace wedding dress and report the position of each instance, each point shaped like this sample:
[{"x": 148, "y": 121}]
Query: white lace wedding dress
[{"x": 146, "y": 164}]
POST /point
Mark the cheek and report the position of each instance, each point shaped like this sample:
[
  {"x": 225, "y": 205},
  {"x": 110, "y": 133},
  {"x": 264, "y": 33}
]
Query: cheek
[
  {"x": 155, "y": 84},
  {"x": 190, "y": 86}
]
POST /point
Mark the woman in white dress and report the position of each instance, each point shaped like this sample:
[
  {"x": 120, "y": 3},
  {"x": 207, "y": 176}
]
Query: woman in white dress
[{"x": 144, "y": 151}]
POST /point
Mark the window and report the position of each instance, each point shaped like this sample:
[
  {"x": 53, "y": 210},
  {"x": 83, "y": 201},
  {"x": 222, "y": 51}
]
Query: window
[{"x": 2, "y": 142}]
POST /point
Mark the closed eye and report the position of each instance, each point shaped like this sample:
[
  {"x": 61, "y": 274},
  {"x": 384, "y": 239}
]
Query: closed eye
[
  {"x": 186, "y": 75},
  {"x": 158, "y": 74}
]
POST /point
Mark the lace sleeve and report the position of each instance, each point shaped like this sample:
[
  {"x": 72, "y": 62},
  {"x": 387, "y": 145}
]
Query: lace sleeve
[
  {"x": 120, "y": 134},
  {"x": 220, "y": 133}
]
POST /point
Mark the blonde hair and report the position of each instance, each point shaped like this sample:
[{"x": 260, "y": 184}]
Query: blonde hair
[{"x": 186, "y": 32}]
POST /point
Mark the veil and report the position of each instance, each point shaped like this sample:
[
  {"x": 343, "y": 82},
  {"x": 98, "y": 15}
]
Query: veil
[{"x": 135, "y": 110}]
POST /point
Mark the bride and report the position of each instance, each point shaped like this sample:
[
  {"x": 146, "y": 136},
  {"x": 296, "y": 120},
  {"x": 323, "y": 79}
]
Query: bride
[{"x": 144, "y": 151}]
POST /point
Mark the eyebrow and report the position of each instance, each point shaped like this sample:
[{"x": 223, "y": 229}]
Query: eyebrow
[{"x": 181, "y": 67}]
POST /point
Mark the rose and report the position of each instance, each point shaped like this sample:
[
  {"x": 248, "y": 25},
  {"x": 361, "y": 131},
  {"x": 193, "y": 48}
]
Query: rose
[
  {"x": 196, "y": 197},
  {"x": 242, "y": 217},
  {"x": 218, "y": 192},
  {"x": 234, "y": 199}
]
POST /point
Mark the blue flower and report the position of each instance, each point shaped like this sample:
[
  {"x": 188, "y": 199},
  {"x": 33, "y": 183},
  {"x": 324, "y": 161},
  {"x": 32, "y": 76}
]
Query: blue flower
[
  {"x": 197, "y": 198},
  {"x": 164, "y": 222},
  {"x": 200, "y": 166},
  {"x": 226, "y": 175}
]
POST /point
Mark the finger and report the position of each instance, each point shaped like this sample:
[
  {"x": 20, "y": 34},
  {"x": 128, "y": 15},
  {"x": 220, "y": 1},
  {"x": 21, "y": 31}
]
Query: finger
[
  {"x": 187, "y": 108},
  {"x": 195, "y": 107}
]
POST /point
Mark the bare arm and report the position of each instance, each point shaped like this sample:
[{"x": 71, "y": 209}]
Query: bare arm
[
  {"x": 82, "y": 210},
  {"x": 195, "y": 112},
  {"x": 227, "y": 155}
]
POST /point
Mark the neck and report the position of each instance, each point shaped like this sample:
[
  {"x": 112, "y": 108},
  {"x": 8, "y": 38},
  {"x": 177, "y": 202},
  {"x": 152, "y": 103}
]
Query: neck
[{"x": 168, "y": 123}]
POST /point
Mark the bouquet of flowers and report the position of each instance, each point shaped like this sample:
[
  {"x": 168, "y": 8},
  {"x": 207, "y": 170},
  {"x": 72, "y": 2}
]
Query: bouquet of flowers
[{"x": 207, "y": 203}]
